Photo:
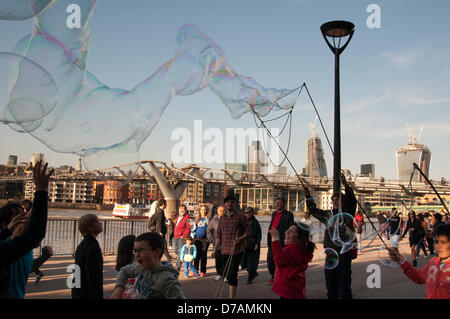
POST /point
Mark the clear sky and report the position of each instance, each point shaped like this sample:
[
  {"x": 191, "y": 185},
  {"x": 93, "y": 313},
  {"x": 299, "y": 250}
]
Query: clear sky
[{"x": 390, "y": 76}]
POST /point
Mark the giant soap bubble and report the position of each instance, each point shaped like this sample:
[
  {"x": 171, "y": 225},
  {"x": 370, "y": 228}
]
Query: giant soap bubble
[
  {"x": 27, "y": 92},
  {"x": 341, "y": 230},
  {"x": 107, "y": 126},
  {"x": 22, "y": 9}
]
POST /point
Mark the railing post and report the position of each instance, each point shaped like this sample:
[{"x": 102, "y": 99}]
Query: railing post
[
  {"x": 104, "y": 237},
  {"x": 132, "y": 227},
  {"x": 74, "y": 235}
]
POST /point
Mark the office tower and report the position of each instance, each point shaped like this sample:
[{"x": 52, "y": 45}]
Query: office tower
[
  {"x": 368, "y": 169},
  {"x": 12, "y": 160},
  {"x": 35, "y": 157},
  {"x": 413, "y": 153},
  {"x": 256, "y": 158},
  {"x": 315, "y": 161}
]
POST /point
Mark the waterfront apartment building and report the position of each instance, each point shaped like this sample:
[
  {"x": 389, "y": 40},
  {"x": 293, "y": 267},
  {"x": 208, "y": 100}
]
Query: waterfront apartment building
[
  {"x": 11, "y": 189},
  {"x": 143, "y": 192},
  {"x": 65, "y": 191},
  {"x": 194, "y": 192},
  {"x": 113, "y": 192},
  {"x": 264, "y": 198}
]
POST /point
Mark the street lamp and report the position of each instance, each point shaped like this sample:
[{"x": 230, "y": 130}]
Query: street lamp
[{"x": 336, "y": 30}]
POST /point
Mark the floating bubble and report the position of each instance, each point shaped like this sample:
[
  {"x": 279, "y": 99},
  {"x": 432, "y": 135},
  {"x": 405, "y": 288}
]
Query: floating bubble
[
  {"x": 86, "y": 117},
  {"x": 22, "y": 9},
  {"x": 340, "y": 229},
  {"x": 27, "y": 92},
  {"x": 304, "y": 226},
  {"x": 385, "y": 259},
  {"x": 346, "y": 247},
  {"x": 302, "y": 206},
  {"x": 104, "y": 163},
  {"x": 331, "y": 258}
]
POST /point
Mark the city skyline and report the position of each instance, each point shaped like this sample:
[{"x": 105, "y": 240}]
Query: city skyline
[{"x": 390, "y": 76}]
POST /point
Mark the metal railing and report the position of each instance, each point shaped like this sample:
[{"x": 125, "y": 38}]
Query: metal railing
[{"x": 64, "y": 237}]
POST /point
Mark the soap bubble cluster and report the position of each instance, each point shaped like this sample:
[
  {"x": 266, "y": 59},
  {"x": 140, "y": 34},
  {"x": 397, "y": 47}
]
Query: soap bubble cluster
[{"x": 52, "y": 96}]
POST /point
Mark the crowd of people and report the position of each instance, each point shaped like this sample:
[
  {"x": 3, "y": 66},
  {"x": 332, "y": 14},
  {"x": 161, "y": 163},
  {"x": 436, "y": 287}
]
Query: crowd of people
[{"x": 235, "y": 238}]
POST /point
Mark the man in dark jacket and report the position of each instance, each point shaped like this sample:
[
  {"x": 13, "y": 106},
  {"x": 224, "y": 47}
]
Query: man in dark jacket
[
  {"x": 16, "y": 248},
  {"x": 88, "y": 257},
  {"x": 339, "y": 279},
  {"x": 157, "y": 223},
  {"x": 250, "y": 259},
  {"x": 281, "y": 221}
]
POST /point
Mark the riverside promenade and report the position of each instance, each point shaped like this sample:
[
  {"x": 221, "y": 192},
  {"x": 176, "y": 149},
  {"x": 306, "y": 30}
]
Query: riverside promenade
[{"x": 394, "y": 284}]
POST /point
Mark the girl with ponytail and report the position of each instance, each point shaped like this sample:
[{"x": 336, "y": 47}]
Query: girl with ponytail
[{"x": 292, "y": 261}]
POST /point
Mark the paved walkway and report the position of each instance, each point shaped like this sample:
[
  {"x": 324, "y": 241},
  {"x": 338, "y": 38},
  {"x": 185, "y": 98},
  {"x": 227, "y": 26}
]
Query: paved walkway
[{"x": 394, "y": 284}]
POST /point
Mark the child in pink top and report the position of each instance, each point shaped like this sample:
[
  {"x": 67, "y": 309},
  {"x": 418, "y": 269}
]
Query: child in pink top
[
  {"x": 291, "y": 261},
  {"x": 436, "y": 274}
]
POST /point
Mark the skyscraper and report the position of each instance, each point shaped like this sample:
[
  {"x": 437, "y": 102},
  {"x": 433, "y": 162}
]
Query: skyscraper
[
  {"x": 315, "y": 161},
  {"x": 256, "y": 158},
  {"x": 12, "y": 160},
  {"x": 368, "y": 169},
  {"x": 413, "y": 153},
  {"x": 35, "y": 157}
]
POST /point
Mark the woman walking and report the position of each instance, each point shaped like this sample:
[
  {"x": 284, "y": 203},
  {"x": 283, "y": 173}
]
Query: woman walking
[{"x": 201, "y": 241}]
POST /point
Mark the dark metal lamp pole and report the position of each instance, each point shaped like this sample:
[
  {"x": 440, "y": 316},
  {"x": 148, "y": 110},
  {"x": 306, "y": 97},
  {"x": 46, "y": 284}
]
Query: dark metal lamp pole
[{"x": 337, "y": 30}]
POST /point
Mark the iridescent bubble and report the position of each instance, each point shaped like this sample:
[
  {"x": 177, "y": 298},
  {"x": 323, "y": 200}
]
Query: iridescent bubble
[
  {"x": 120, "y": 120},
  {"x": 341, "y": 230},
  {"x": 27, "y": 92},
  {"x": 22, "y": 9},
  {"x": 331, "y": 258}
]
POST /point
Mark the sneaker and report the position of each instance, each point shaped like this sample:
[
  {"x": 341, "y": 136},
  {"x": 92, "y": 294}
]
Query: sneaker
[
  {"x": 225, "y": 280},
  {"x": 270, "y": 281},
  {"x": 218, "y": 277},
  {"x": 203, "y": 274},
  {"x": 38, "y": 278},
  {"x": 414, "y": 262}
]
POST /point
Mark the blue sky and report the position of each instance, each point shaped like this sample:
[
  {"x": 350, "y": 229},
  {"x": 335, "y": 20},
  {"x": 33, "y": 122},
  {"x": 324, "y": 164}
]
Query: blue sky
[{"x": 391, "y": 76}]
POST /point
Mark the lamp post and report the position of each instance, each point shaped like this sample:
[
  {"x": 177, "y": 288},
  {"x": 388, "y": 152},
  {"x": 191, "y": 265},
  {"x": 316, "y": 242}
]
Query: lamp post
[{"x": 336, "y": 30}]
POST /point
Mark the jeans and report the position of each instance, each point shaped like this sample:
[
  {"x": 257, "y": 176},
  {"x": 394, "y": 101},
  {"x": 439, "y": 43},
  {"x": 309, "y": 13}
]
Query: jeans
[
  {"x": 219, "y": 263},
  {"x": 339, "y": 280},
  {"x": 190, "y": 265},
  {"x": 179, "y": 242},
  {"x": 202, "y": 254},
  {"x": 233, "y": 267},
  {"x": 421, "y": 245},
  {"x": 250, "y": 260}
]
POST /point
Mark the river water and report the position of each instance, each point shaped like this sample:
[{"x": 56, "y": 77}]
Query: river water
[{"x": 64, "y": 236}]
